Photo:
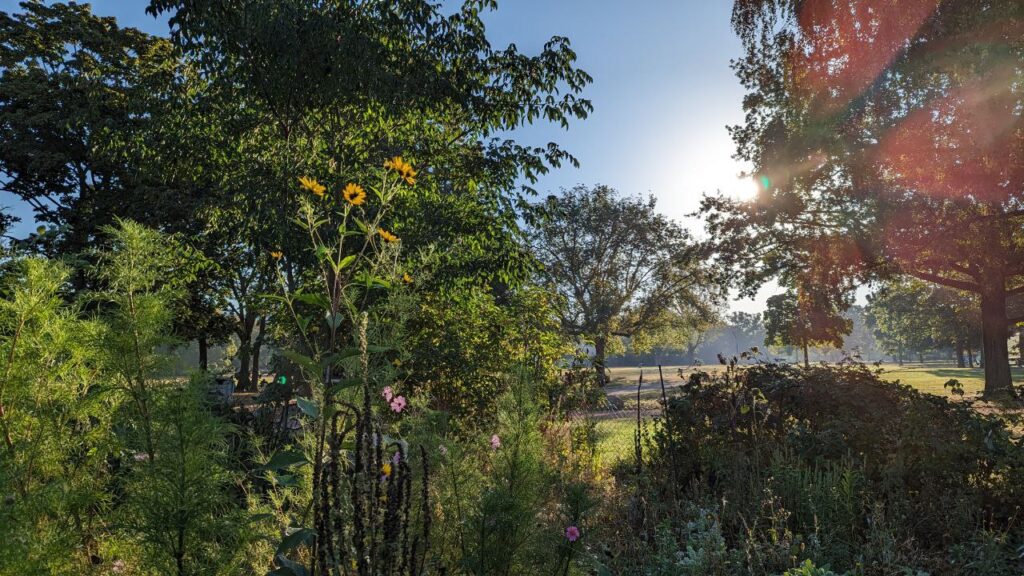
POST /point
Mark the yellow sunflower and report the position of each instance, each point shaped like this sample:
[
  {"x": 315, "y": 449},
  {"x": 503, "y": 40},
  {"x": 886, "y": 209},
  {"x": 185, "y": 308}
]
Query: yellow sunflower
[
  {"x": 406, "y": 278},
  {"x": 313, "y": 186},
  {"x": 403, "y": 168},
  {"x": 354, "y": 194},
  {"x": 387, "y": 236},
  {"x": 276, "y": 254}
]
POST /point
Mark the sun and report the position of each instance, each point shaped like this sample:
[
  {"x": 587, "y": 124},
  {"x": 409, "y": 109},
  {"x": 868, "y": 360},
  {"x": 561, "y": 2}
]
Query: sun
[{"x": 744, "y": 188}]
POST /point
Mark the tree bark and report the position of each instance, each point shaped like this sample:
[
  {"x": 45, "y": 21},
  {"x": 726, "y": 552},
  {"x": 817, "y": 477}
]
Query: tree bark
[
  {"x": 204, "y": 351},
  {"x": 970, "y": 357},
  {"x": 599, "y": 352},
  {"x": 994, "y": 347},
  {"x": 807, "y": 362},
  {"x": 256, "y": 347},
  {"x": 1020, "y": 346},
  {"x": 960, "y": 362},
  {"x": 245, "y": 353}
]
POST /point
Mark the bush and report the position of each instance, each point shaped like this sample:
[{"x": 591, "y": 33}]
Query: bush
[{"x": 834, "y": 465}]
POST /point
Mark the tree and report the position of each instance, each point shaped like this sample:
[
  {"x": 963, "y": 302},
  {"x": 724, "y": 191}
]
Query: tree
[
  {"x": 902, "y": 320},
  {"x": 803, "y": 319},
  {"x": 889, "y": 130},
  {"x": 617, "y": 264},
  {"x": 333, "y": 88}
]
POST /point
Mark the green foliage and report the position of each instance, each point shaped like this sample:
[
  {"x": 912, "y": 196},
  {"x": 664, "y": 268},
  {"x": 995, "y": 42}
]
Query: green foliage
[
  {"x": 804, "y": 319},
  {"x": 864, "y": 138},
  {"x": 834, "y": 466},
  {"x": 56, "y": 427},
  {"x": 179, "y": 509},
  {"x": 618, "y": 266}
]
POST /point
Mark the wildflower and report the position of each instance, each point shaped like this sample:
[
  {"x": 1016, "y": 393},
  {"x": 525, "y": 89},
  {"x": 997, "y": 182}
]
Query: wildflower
[
  {"x": 396, "y": 458},
  {"x": 387, "y": 236},
  {"x": 398, "y": 404},
  {"x": 396, "y": 362},
  {"x": 313, "y": 186},
  {"x": 354, "y": 194},
  {"x": 117, "y": 567},
  {"x": 572, "y": 533},
  {"x": 386, "y": 469},
  {"x": 495, "y": 442},
  {"x": 388, "y": 393},
  {"x": 276, "y": 254},
  {"x": 406, "y": 278},
  {"x": 403, "y": 168},
  {"x": 443, "y": 450}
]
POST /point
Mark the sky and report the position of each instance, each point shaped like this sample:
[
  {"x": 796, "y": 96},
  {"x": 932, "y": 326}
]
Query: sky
[{"x": 663, "y": 94}]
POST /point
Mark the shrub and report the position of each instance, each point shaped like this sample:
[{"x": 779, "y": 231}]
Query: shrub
[{"x": 834, "y": 465}]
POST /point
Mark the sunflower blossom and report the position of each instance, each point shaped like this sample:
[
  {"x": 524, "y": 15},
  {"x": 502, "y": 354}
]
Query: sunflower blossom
[
  {"x": 354, "y": 194},
  {"x": 403, "y": 168},
  {"x": 313, "y": 186},
  {"x": 387, "y": 236}
]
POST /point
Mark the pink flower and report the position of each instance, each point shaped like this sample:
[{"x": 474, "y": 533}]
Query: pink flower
[
  {"x": 572, "y": 533},
  {"x": 117, "y": 567},
  {"x": 388, "y": 393},
  {"x": 398, "y": 404},
  {"x": 495, "y": 442}
]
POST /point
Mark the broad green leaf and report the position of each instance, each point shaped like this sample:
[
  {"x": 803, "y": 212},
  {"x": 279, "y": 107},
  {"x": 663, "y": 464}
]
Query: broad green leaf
[
  {"x": 296, "y": 537},
  {"x": 285, "y": 459},
  {"x": 308, "y": 407}
]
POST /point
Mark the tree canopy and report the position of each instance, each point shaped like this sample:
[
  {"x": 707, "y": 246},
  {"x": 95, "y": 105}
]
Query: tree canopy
[
  {"x": 890, "y": 135},
  {"x": 619, "y": 265}
]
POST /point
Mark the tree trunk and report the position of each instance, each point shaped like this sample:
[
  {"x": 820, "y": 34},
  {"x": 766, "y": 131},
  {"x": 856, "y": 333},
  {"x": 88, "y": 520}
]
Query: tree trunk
[
  {"x": 960, "y": 362},
  {"x": 807, "y": 362},
  {"x": 256, "y": 347},
  {"x": 994, "y": 348},
  {"x": 599, "y": 351},
  {"x": 244, "y": 332},
  {"x": 900, "y": 353},
  {"x": 204, "y": 354},
  {"x": 970, "y": 357},
  {"x": 1020, "y": 346}
]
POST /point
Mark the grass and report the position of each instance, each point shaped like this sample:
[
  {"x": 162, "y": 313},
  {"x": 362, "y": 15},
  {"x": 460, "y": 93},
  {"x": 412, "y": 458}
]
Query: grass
[
  {"x": 925, "y": 377},
  {"x": 615, "y": 439}
]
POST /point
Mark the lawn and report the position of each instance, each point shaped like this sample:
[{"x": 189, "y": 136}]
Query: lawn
[{"x": 925, "y": 377}]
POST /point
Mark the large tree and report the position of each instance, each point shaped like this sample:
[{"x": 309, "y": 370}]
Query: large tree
[
  {"x": 618, "y": 265},
  {"x": 207, "y": 132},
  {"x": 803, "y": 318},
  {"x": 890, "y": 130}
]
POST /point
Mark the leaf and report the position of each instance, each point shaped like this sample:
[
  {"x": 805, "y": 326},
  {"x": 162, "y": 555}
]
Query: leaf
[
  {"x": 312, "y": 299},
  {"x": 296, "y": 537},
  {"x": 334, "y": 320},
  {"x": 343, "y": 385},
  {"x": 285, "y": 459},
  {"x": 372, "y": 349},
  {"x": 744, "y": 409},
  {"x": 307, "y": 406},
  {"x": 288, "y": 567},
  {"x": 284, "y": 480},
  {"x": 345, "y": 262},
  {"x": 302, "y": 360}
]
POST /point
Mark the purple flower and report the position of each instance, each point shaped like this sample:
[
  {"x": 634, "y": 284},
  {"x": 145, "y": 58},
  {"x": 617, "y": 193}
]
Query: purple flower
[
  {"x": 495, "y": 442},
  {"x": 572, "y": 533},
  {"x": 396, "y": 459},
  {"x": 388, "y": 393}
]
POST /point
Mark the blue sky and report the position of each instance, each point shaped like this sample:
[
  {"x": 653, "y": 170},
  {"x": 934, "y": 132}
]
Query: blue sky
[{"x": 663, "y": 93}]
